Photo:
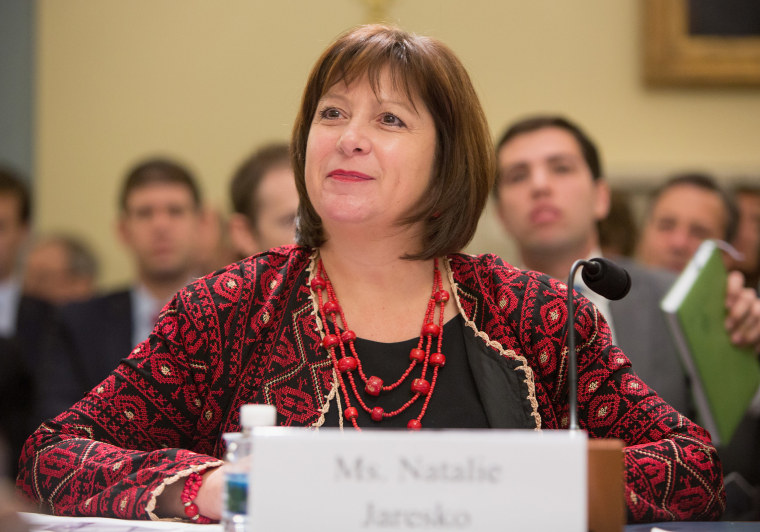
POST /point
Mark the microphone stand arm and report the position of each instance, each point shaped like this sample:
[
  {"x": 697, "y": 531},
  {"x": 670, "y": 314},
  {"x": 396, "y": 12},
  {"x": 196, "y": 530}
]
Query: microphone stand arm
[{"x": 572, "y": 358}]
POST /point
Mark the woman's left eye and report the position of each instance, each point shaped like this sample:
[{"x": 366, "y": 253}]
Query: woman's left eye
[{"x": 390, "y": 119}]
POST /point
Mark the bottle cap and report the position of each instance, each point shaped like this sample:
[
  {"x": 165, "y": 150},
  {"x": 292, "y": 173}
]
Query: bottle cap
[{"x": 255, "y": 415}]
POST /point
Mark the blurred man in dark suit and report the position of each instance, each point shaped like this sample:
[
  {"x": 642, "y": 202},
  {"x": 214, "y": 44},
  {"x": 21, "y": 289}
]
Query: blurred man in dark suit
[
  {"x": 550, "y": 195},
  {"x": 160, "y": 214},
  {"x": 15, "y": 214},
  {"x": 22, "y": 319}
]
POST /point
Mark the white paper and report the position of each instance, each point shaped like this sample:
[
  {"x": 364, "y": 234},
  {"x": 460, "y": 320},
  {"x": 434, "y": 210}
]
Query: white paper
[{"x": 53, "y": 523}]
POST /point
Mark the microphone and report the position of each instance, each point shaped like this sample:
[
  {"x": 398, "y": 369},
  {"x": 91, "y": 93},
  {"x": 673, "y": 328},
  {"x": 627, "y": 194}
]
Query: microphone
[{"x": 606, "y": 279}]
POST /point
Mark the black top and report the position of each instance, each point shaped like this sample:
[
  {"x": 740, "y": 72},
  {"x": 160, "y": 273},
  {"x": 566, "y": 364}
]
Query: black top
[{"x": 455, "y": 401}]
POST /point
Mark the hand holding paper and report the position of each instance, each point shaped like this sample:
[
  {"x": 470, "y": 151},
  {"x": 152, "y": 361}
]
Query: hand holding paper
[
  {"x": 724, "y": 376},
  {"x": 743, "y": 319}
]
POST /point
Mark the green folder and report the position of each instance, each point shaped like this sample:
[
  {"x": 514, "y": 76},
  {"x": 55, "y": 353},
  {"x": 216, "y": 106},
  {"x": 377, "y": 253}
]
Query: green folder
[{"x": 724, "y": 377}]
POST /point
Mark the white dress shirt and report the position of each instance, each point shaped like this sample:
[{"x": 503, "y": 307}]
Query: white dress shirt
[
  {"x": 10, "y": 294},
  {"x": 145, "y": 310}
]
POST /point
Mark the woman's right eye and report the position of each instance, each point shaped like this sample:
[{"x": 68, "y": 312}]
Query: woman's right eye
[{"x": 329, "y": 113}]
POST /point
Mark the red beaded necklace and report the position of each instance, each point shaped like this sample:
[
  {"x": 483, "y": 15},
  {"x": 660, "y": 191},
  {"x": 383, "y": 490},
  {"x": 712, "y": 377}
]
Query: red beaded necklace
[{"x": 349, "y": 361}]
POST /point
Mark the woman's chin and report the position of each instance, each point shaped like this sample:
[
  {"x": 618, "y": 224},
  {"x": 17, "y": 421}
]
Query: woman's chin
[{"x": 339, "y": 217}]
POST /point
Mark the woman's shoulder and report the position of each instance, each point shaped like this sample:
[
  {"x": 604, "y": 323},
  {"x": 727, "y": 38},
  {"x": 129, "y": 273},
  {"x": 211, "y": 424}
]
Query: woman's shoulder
[
  {"x": 488, "y": 267},
  {"x": 280, "y": 258},
  {"x": 482, "y": 263}
]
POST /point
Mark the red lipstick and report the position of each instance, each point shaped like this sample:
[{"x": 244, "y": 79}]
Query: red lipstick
[{"x": 348, "y": 175}]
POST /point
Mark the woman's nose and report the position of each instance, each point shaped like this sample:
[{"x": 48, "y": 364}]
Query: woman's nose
[{"x": 354, "y": 140}]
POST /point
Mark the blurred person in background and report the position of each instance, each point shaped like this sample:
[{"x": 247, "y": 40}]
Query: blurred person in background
[
  {"x": 685, "y": 210},
  {"x": 159, "y": 218},
  {"x": 551, "y": 194},
  {"x": 747, "y": 239},
  {"x": 15, "y": 221},
  {"x": 264, "y": 201},
  {"x": 22, "y": 319},
  {"x": 60, "y": 268}
]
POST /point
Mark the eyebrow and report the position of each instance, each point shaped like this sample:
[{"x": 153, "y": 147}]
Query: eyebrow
[
  {"x": 563, "y": 156},
  {"x": 514, "y": 166},
  {"x": 555, "y": 157},
  {"x": 405, "y": 103}
]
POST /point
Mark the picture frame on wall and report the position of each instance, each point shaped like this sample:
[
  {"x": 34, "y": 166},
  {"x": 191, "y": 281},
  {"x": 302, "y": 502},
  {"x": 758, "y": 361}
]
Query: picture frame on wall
[{"x": 701, "y": 42}]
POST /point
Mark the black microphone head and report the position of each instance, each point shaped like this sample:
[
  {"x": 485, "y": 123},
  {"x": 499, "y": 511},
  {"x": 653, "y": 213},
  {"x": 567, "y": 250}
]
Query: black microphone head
[{"x": 606, "y": 278}]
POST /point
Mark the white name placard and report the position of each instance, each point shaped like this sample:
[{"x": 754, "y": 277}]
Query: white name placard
[{"x": 452, "y": 480}]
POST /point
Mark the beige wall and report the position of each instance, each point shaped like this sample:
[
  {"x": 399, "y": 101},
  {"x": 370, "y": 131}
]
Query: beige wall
[{"x": 206, "y": 81}]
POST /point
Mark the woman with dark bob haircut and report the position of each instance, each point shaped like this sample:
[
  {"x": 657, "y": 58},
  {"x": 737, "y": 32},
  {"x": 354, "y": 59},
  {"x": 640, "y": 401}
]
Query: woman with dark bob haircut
[
  {"x": 374, "y": 320},
  {"x": 464, "y": 167}
]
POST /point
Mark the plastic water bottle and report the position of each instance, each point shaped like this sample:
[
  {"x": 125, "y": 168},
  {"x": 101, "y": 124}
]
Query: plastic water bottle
[{"x": 238, "y": 447}]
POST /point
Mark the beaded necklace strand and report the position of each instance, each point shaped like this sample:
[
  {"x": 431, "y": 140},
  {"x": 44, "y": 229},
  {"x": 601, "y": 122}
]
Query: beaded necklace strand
[{"x": 331, "y": 312}]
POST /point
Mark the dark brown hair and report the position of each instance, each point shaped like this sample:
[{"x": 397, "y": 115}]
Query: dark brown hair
[
  {"x": 244, "y": 186},
  {"x": 158, "y": 170},
  {"x": 12, "y": 184},
  {"x": 427, "y": 69}
]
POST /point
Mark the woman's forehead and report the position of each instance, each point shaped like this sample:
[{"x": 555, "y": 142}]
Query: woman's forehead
[{"x": 386, "y": 82}]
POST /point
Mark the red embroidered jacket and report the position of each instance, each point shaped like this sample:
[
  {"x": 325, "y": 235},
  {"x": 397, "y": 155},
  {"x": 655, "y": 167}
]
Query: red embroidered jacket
[{"x": 249, "y": 333}]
